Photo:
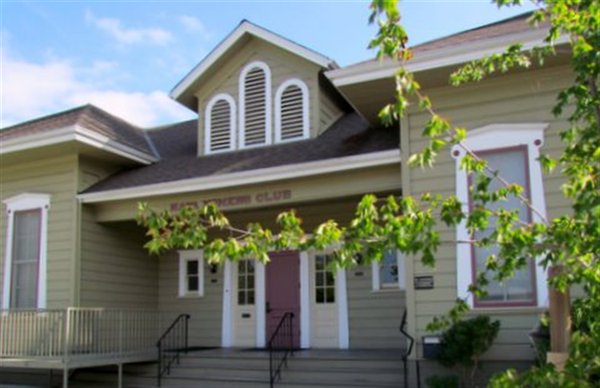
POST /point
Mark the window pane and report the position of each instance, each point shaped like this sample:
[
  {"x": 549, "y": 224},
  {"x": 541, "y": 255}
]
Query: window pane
[
  {"x": 320, "y": 295},
  {"x": 193, "y": 283},
  {"x": 25, "y": 258},
  {"x": 241, "y": 282},
  {"x": 319, "y": 279},
  {"x": 241, "y": 297},
  {"x": 250, "y": 297},
  {"x": 192, "y": 267},
  {"x": 330, "y": 294},
  {"x": 329, "y": 278},
  {"x": 319, "y": 262},
  {"x": 511, "y": 165}
]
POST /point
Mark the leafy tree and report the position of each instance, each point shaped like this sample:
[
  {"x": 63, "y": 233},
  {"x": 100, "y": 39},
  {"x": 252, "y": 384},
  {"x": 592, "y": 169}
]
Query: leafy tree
[{"x": 569, "y": 244}]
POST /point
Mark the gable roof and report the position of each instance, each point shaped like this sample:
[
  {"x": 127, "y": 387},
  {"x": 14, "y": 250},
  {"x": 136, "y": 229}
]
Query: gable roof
[
  {"x": 348, "y": 144},
  {"x": 450, "y": 50},
  {"x": 88, "y": 124},
  {"x": 246, "y": 28}
]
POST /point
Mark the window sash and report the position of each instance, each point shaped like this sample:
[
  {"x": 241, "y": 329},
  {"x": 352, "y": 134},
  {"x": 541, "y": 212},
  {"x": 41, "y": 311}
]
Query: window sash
[
  {"x": 26, "y": 248},
  {"x": 519, "y": 290}
]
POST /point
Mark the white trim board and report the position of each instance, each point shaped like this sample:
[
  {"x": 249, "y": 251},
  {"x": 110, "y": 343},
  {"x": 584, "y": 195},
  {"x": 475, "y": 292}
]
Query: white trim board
[
  {"x": 247, "y": 28},
  {"x": 263, "y": 175},
  {"x": 437, "y": 58},
  {"x": 78, "y": 134}
]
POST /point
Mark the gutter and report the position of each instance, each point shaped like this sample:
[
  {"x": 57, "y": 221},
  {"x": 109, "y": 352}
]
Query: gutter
[
  {"x": 437, "y": 58},
  {"x": 78, "y": 134}
]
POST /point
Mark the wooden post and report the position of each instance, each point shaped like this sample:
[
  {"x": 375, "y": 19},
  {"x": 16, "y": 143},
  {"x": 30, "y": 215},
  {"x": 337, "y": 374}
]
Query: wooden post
[{"x": 560, "y": 323}]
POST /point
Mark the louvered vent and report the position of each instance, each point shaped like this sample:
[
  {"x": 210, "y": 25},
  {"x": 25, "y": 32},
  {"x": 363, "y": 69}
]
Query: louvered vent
[
  {"x": 292, "y": 117},
  {"x": 220, "y": 126},
  {"x": 255, "y": 107}
]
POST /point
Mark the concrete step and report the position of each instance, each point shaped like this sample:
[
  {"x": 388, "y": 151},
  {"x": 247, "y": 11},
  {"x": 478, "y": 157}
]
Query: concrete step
[{"x": 250, "y": 369}]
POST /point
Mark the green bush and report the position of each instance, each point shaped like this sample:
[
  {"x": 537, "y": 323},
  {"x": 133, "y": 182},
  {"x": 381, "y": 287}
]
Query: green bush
[{"x": 464, "y": 343}]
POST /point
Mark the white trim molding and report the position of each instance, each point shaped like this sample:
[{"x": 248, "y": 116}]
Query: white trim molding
[
  {"x": 242, "y": 102},
  {"x": 24, "y": 202},
  {"x": 304, "y": 300},
  {"x": 247, "y": 28},
  {"x": 437, "y": 58},
  {"x": 208, "y": 127},
  {"x": 487, "y": 138},
  {"x": 375, "y": 278},
  {"x": 342, "y": 306},
  {"x": 184, "y": 257},
  {"x": 305, "y": 109},
  {"x": 270, "y": 174}
]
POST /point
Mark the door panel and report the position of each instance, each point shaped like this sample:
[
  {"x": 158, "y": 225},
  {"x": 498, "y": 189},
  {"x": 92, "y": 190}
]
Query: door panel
[{"x": 283, "y": 292}]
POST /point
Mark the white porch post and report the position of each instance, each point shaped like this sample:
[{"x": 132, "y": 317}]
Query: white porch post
[
  {"x": 226, "y": 332},
  {"x": 304, "y": 301},
  {"x": 260, "y": 313},
  {"x": 342, "y": 295}
]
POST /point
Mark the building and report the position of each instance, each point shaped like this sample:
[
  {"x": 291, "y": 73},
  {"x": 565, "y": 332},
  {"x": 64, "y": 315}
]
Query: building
[{"x": 278, "y": 126}]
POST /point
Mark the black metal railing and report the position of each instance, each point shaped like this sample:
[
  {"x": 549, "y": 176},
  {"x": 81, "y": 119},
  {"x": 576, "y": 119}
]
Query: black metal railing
[
  {"x": 410, "y": 341},
  {"x": 171, "y": 344},
  {"x": 281, "y": 345}
]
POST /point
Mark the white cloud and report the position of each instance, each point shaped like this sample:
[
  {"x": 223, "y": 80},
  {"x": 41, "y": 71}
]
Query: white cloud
[
  {"x": 29, "y": 90},
  {"x": 127, "y": 36}
]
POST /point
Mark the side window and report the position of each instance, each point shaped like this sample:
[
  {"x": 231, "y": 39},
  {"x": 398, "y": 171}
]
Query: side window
[
  {"x": 246, "y": 282},
  {"x": 324, "y": 280},
  {"x": 191, "y": 273},
  {"x": 255, "y": 105},
  {"x": 390, "y": 272},
  {"x": 291, "y": 111},
  {"x": 25, "y": 260},
  {"x": 513, "y": 150},
  {"x": 219, "y": 124},
  {"x": 511, "y": 164}
]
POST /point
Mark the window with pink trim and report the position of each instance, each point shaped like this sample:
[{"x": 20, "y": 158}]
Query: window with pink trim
[{"x": 511, "y": 164}]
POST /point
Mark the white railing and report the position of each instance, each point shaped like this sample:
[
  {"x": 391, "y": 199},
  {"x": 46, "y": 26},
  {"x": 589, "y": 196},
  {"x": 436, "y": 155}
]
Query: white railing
[{"x": 76, "y": 333}]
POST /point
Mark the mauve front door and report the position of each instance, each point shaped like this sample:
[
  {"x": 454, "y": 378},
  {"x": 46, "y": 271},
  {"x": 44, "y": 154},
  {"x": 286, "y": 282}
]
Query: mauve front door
[{"x": 283, "y": 291}]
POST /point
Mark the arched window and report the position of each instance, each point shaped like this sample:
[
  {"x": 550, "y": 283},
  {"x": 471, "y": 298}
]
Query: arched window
[
  {"x": 255, "y": 105},
  {"x": 219, "y": 124},
  {"x": 291, "y": 111}
]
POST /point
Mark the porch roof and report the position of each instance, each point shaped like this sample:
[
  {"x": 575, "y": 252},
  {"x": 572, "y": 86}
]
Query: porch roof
[{"x": 176, "y": 144}]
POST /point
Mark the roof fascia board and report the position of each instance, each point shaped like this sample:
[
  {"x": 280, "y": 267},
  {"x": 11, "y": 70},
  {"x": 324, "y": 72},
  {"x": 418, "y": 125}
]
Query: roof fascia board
[
  {"x": 246, "y": 28},
  {"x": 437, "y": 58},
  {"x": 263, "y": 175},
  {"x": 74, "y": 133},
  {"x": 103, "y": 142}
]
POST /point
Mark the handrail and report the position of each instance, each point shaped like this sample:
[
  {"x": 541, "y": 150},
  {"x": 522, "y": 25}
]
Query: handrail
[
  {"x": 411, "y": 342},
  {"x": 278, "y": 344},
  {"x": 171, "y": 343}
]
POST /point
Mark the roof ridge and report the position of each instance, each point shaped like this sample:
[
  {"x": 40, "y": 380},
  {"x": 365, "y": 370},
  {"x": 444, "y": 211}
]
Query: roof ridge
[{"x": 13, "y": 127}]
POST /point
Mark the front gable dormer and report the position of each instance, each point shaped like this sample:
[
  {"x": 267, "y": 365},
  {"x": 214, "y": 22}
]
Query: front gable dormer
[{"x": 257, "y": 89}]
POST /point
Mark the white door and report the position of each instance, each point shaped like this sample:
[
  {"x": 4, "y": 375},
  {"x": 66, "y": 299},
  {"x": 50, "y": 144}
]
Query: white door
[{"x": 324, "y": 303}]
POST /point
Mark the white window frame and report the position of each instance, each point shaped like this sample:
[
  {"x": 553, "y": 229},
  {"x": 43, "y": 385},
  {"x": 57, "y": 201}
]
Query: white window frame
[
  {"x": 232, "y": 121},
  {"x": 488, "y": 138},
  {"x": 184, "y": 258},
  {"x": 305, "y": 111},
  {"x": 376, "y": 279},
  {"x": 24, "y": 202},
  {"x": 242, "y": 101}
]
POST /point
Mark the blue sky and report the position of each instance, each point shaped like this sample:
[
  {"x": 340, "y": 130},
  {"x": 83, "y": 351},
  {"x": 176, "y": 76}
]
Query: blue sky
[{"x": 125, "y": 56}]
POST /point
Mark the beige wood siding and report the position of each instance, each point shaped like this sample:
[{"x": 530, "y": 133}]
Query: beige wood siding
[
  {"x": 58, "y": 177},
  {"x": 205, "y": 312},
  {"x": 519, "y": 98},
  {"x": 116, "y": 271},
  {"x": 374, "y": 316},
  {"x": 329, "y": 112},
  {"x": 326, "y": 187}
]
